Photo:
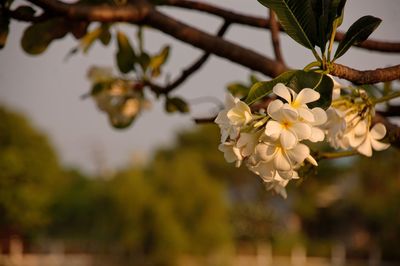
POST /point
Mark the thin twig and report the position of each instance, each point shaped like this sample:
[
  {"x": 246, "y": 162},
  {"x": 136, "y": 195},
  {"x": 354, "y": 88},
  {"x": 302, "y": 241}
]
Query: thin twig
[{"x": 275, "y": 36}]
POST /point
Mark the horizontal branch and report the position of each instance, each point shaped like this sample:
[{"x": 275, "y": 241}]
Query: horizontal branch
[
  {"x": 258, "y": 22},
  {"x": 215, "y": 45},
  {"x": 366, "y": 76},
  {"x": 103, "y": 13}
]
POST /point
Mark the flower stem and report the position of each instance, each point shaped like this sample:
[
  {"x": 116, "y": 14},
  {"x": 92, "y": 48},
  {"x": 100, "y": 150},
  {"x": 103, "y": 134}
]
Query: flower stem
[
  {"x": 336, "y": 155},
  {"x": 387, "y": 97},
  {"x": 311, "y": 65}
]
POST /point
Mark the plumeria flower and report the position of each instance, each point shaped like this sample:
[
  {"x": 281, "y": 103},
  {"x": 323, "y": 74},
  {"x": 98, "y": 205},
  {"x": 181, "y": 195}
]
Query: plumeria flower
[
  {"x": 240, "y": 114},
  {"x": 231, "y": 153},
  {"x": 283, "y": 159},
  {"x": 298, "y": 101},
  {"x": 320, "y": 118},
  {"x": 278, "y": 185},
  {"x": 227, "y": 129},
  {"x": 247, "y": 142},
  {"x": 335, "y": 127},
  {"x": 285, "y": 125},
  {"x": 370, "y": 142}
]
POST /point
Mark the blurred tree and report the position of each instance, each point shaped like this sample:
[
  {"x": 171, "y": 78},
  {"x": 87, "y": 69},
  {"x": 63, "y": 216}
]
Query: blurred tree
[{"x": 29, "y": 171}]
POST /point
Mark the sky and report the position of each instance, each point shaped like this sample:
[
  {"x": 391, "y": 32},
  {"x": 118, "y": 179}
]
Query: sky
[{"x": 47, "y": 88}]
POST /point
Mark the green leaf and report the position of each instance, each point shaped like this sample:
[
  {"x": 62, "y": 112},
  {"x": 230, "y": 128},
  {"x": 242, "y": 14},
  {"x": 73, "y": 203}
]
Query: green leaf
[
  {"x": 37, "y": 37},
  {"x": 239, "y": 90},
  {"x": 105, "y": 36},
  {"x": 297, "y": 18},
  {"x": 261, "y": 89},
  {"x": 88, "y": 40},
  {"x": 125, "y": 56},
  {"x": 144, "y": 61},
  {"x": 358, "y": 32},
  {"x": 316, "y": 81},
  {"x": 176, "y": 104},
  {"x": 158, "y": 60}
]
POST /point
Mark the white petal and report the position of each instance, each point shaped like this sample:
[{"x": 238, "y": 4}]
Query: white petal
[
  {"x": 379, "y": 146},
  {"x": 320, "y": 116},
  {"x": 281, "y": 162},
  {"x": 317, "y": 135},
  {"x": 265, "y": 152},
  {"x": 299, "y": 153},
  {"x": 273, "y": 129},
  {"x": 282, "y": 91},
  {"x": 365, "y": 148},
  {"x": 378, "y": 131},
  {"x": 311, "y": 160},
  {"x": 288, "y": 113},
  {"x": 265, "y": 170},
  {"x": 273, "y": 107},
  {"x": 301, "y": 130},
  {"x": 288, "y": 139},
  {"x": 306, "y": 96},
  {"x": 230, "y": 101},
  {"x": 306, "y": 114}
]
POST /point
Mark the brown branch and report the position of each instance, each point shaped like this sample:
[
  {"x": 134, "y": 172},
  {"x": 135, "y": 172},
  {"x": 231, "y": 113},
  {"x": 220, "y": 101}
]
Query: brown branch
[
  {"x": 258, "y": 22},
  {"x": 196, "y": 65},
  {"x": 215, "y": 45},
  {"x": 391, "y": 110},
  {"x": 366, "y": 76},
  {"x": 275, "y": 36},
  {"x": 103, "y": 13}
]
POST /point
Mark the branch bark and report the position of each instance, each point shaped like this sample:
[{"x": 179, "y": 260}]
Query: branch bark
[
  {"x": 215, "y": 45},
  {"x": 366, "y": 76}
]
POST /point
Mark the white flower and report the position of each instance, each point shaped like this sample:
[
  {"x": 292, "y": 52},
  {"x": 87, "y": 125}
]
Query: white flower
[
  {"x": 283, "y": 159},
  {"x": 320, "y": 118},
  {"x": 240, "y": 114},
  {"x": 335, "y": 127},
  {"x": 298, "y": 101},
  {"x": 247, "y": 142},
  {"x": 227, "y": 129},
  {"x": 231, "y": 152},
  {"x": 371, "y": 140},
  {"x": 286, "y": 127}
]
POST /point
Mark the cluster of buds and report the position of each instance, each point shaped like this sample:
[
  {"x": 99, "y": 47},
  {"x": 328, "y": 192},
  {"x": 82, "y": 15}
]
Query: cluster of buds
[
  {"x": 121, "y": 99},
  {"x": 272, "y": 144}
]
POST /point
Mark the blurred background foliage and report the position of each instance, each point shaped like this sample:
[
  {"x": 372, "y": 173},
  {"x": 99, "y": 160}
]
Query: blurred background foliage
[{"x": 187, "y": 200}]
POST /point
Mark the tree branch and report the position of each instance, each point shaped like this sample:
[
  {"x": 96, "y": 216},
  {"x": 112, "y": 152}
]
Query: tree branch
[
  {"x": 196, "y": 65},
  {"x": 103, "y": 13},
  {"x": 258, "y": 22},
  {"x": 215, "y": 45},
  {"x": 366, "y": 76}
]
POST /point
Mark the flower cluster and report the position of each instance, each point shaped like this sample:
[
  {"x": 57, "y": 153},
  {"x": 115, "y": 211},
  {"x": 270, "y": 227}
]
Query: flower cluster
[
  {"x": 121, "y": 99},
  {"x": 349, "y": 124},
  {"x": 272, "y": 144}
]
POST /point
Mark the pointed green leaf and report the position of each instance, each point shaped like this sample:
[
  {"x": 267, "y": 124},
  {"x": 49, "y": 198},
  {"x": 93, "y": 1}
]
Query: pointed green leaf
[
  {"x": 358, "y": 32},
  {"x": 88, "y": 40},
  {"x": 297, "y": 18},
  {"x": 125, "y": 56},
  {"x": 261, "y": 89},
  {"x": 158, "y": 60},
  {"x": 105, "y": 36}
]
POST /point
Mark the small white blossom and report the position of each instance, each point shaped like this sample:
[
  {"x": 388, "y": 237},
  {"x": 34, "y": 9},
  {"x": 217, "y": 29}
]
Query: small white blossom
[
  {"x": 227, "y": 129},
  {"x": 285, "y": 125},
  {"x": 370, "y": 142},
  {"x": 231, "y": 153},
  {"x": 298, "y": 101}
]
